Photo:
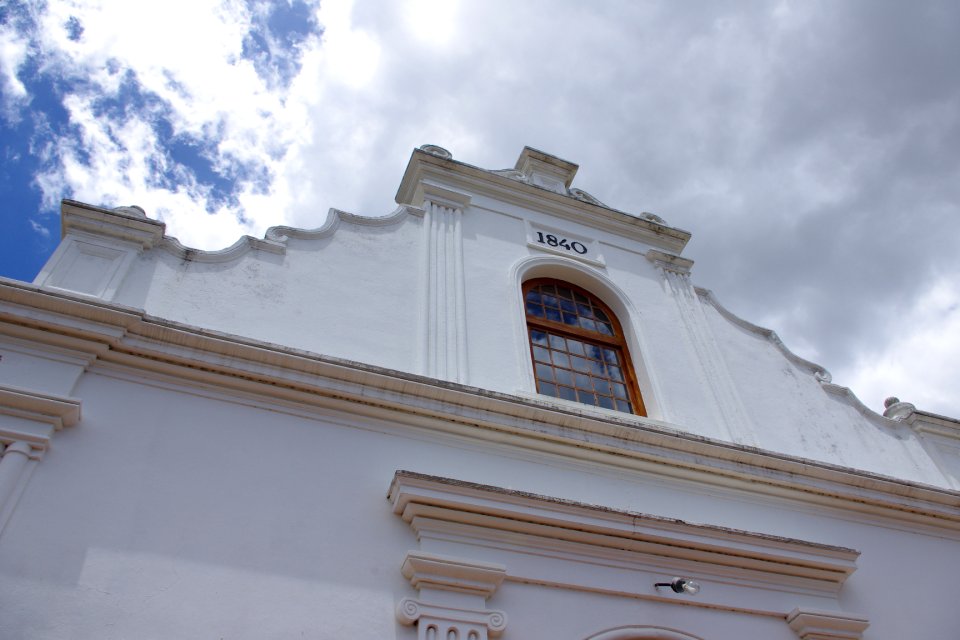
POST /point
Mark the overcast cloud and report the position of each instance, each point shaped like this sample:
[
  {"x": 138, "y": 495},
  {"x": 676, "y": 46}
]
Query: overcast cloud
[{"x": 813, "y": 148}]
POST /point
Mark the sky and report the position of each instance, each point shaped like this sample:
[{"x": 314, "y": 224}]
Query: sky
[{"x": 811, "y": 147}]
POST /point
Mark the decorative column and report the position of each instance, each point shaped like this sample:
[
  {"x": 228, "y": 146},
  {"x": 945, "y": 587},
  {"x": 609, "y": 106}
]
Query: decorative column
[
  {"x": 443, "y": 314},
  {"x": 826, "y": 625},
  {"x": 713, "y": 368},
  {"x": 453, "y": 594},
  {"x": 28, "y": 420}
]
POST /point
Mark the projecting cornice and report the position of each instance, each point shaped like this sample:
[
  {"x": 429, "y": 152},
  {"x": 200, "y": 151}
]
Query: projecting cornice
[
  {"x": 128, "y": 224},
  {"x": 116, "y": 336},
  {"x": 608, "y": 550},
  {"x": 541, "y": 183}
]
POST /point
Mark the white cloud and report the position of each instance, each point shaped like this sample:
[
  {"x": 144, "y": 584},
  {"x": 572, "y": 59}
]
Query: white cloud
[
  {"x": 920, "y": 364},
  {"x": 39, "y": 228},
  {"x": 13, "y": 53}
]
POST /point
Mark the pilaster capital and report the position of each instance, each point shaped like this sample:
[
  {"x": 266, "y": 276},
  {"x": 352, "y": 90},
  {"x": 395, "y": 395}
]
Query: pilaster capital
[
  {"x": 470, "y": 624},
  {"x": 669, "y": 262},
  {"x": 442, "y": 196}
]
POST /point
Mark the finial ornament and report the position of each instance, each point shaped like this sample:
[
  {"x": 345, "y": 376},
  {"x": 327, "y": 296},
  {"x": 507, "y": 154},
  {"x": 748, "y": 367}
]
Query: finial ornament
[
  {"x": 436, "y": 150},
  {"x": 895, "y": 409},
  {"x": 132, "y": 210}
]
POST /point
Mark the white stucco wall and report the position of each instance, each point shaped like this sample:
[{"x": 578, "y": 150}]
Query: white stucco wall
[
  {"x": 406, "y": 290},
  {"x": 176, "y": 511}
]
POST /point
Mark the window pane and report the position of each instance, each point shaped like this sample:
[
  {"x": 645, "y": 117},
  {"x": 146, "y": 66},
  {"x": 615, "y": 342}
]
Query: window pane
[
  {"x": 544, "y": 372},
  {"x": 588, "y": 398},
  {"x": 584, "y": 369},
  {"x": 580, "y": 364},
  {"x": 597, "y": 368},
  {"x": 567, "y": 393}
]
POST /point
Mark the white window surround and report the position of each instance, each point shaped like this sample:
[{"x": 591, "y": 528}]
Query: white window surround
[
  {"x": 643, "y": 632},
  {"x": 597, "y": 283},
  {"x": 558, "y": 543}
]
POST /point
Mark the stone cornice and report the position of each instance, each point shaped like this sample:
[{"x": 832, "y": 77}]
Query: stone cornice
[
  {"x": 127, "y": 337},
  {"x": 121, "y": 224},
  {"x": 462, "y": 176},
  {"x": 38, "y": 416},
  {"x": 432, "y": 571},
  {"x": 611, "y": 551},
  {"x": 415, "y": 495}
]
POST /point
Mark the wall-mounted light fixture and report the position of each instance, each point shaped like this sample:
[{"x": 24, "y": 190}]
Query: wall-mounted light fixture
[{"x": 681, "y": 585}]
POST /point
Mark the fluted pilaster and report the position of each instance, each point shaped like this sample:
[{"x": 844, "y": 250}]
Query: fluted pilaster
[{"x": 443, "y": 334}]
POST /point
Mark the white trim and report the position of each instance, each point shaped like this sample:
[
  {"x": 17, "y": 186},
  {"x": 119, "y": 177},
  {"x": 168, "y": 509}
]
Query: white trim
[
  {"x": 424, "y": 166},
  {"x": 559, "y": 543},
  {"x": 826, "y": 625},
  {"x": 643, "y": 632},
  {"x": 600, "y": 285}
]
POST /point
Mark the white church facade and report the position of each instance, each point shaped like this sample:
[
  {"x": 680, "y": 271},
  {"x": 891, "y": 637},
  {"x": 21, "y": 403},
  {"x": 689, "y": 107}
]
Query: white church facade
[{"x": 503, "y": 410}]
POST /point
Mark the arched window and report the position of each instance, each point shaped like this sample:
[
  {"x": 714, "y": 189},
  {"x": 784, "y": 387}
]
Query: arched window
[{"x": 578, "y": 348}]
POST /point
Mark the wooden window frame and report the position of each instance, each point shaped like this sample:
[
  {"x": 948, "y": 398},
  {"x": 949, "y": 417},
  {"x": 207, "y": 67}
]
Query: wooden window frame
[{"x": 617, "y": 342}]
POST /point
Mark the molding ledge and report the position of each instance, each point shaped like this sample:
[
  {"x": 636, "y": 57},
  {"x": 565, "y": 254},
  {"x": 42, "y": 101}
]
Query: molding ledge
[
  {"x": 618, "y": 551},
  {"x": 128, "y": 224},
  {"x": 826, "y": 625},
  {"x": 669, "y": 261},
  {"x": 42, "y": 413},
  {"x": 432, "y": 571},
  {"x": 428, "y": 166}
]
